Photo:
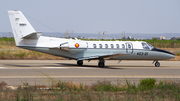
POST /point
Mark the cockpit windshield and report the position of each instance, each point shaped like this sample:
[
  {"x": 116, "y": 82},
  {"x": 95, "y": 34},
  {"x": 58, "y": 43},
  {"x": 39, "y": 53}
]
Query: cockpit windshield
[
  {"x": 146, "y": 45},
  {"x": 151, "y": 47}
]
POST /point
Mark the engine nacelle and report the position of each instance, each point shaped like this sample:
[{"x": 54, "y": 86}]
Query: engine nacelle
[{"x": 74, "y": 46}]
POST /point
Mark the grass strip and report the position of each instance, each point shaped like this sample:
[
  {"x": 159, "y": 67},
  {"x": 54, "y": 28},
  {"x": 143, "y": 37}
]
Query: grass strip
[{"x": 146, "y": 89}]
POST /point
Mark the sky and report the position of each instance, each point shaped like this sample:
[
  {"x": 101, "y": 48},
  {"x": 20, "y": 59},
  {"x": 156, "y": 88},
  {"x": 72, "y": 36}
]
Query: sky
[{"x": 93, "y": 16}]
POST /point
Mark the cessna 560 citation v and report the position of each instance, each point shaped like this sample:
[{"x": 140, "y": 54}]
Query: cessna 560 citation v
[{"x": 26, "y": 37}]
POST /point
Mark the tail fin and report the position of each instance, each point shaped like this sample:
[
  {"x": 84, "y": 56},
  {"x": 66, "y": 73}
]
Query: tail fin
[{"x": 21, "y": 27}]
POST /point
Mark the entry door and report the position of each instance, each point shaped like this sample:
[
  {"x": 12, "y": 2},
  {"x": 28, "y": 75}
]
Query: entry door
[{"x": 129, "y": 48}]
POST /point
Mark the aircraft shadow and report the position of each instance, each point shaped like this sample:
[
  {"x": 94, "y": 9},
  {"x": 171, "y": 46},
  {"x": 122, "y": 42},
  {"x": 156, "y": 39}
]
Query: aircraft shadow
[
  {"x": 109, "y": 66},
  {"x": 19, "y": 65},
  {"x": 75, "y": 65}
]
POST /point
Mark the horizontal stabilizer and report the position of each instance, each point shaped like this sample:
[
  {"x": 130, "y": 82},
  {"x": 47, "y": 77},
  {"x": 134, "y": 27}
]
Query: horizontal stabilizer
[{"x": 34, "y": 35}]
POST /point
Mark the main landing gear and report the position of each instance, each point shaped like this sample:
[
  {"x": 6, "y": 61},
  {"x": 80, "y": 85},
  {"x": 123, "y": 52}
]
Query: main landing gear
[
  {"x": 157, "y": 64},
  {"x": 80, "y": 62},
  {"x": 101, "y": 62}
]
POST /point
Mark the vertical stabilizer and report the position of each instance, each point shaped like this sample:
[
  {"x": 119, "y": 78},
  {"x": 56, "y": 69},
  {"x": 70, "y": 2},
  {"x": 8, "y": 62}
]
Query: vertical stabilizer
[{"x": 20, "y": 26}]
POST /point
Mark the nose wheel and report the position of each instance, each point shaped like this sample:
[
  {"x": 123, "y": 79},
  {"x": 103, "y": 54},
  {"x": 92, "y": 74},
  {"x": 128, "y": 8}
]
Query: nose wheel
[
  {"x": 80, "y": 62},
  {"x": 157, "y": 64}
]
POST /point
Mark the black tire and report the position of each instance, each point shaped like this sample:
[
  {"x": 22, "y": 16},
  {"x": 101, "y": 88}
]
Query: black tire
[
  {"x": 157, "y": 64},
  {"x": 80, "y": 63},
  {"x": 101, "y": 64}
]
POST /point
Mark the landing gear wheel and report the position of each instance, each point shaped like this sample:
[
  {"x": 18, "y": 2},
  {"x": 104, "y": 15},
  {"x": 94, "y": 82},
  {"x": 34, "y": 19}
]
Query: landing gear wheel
[
  {"x": 101, "y": 64},
  {"x": 157, "y": 64},
  {"x": 80, "y": 63}
]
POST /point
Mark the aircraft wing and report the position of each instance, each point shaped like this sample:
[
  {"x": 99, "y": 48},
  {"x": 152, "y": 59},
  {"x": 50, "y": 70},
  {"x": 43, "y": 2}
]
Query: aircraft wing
[
  {"x": 105, "y": 56},
  {"x": 95, "y": 56}
]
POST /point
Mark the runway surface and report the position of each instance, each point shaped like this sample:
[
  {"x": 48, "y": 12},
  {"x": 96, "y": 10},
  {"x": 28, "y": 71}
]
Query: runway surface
[{"x": 45, "y": 72}]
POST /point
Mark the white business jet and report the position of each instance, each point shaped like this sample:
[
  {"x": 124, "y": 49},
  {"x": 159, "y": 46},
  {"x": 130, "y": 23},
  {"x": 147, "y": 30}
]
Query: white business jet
[{"x": 26, "y": 37}]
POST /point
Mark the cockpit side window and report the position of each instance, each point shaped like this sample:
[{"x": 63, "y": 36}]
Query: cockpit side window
[{"x": 145, "y": 46}]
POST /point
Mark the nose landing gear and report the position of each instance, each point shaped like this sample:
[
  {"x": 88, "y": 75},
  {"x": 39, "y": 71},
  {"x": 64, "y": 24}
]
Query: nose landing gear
[{"x": 157, "y": 64}]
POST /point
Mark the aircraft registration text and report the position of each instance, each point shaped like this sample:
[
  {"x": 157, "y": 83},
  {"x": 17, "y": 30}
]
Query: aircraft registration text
[{"x": 142, "y": 53}]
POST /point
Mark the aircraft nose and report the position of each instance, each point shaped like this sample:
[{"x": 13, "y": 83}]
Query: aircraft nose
[
  {"x": 167, "y": 55},
  {"x": 171, "y": 56}
]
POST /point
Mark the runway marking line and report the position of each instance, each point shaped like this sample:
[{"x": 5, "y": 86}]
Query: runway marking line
[
  {"x": 86, "y": 68},
  {"x": 55, "y": 67},
  {"x": 47, "y": 68},
  {"x": 90, "y": 77},
  {"x": 2, "y": 67}
]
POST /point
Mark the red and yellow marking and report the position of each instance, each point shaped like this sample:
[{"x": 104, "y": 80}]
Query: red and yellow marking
[{"x": 76, "y": 45}]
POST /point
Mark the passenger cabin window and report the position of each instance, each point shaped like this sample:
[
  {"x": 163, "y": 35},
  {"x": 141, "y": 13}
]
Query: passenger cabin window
[
  {"x": 145, "y": 46},
  {"x": 100, "y": 45},
  {"x": 129, "y": 46},
  {"x": 117, "y": 46},
  {"x": 123, "y": 46},
  {"x": 94, "y": 45},
  {"x": 106, "y": 45},
  {"x": 112, "y": 46}
]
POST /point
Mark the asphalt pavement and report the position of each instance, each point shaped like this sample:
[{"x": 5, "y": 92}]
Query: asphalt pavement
[{"x": 46, "y": 72}]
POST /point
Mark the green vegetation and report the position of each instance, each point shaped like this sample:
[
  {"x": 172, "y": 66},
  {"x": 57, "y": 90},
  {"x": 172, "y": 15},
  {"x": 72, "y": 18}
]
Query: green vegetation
[
  {"x": 164, "y": 43},
  {"x": 147, "y": 84},
  {"x": 147, "y": 89},
  {"x": 149, "y": 41},
  {"x": 178, "y": 54},
  {"x": 6, "y": 39}
]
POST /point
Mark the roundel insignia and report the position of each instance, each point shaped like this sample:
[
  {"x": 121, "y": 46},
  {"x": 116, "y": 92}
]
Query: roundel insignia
[{"x": 76, "y": 45}]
